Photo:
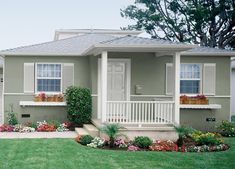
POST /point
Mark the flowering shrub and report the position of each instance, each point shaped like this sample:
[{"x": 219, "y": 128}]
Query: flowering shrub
[
  {"x": 46, "y": 128},
  {"x": 97, "y": 142},
  {"x": 206, "y": 148},
  {"x": 164, "y": 146},
  {"x": 120, "y": 143},
  {"x": 227, "y": 129},
  {"x": 133, "y": 148},
  {"x": 7, "y": 128},
  {"x": 62, "y": 127},
  {"x": 207, "y": 138}
]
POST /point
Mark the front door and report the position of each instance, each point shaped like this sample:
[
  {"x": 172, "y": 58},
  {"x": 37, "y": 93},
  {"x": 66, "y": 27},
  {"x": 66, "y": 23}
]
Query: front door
[{"x": 117, "y": 81}]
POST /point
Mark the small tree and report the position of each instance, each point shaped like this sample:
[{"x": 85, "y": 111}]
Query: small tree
[
  {"x": 79, "y": 105},
  {"x": 183, "y": 132},
  {"x": 112, "y": 131}
]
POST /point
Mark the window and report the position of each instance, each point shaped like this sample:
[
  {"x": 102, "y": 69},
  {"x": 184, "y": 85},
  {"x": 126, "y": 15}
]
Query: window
[
  {"x": 190, "y": 78},
  {"x": 48, "y": 77}
]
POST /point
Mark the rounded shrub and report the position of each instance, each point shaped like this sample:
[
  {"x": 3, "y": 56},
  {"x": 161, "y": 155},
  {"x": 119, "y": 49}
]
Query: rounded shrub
[
  {"x": 79, "y": 105},
  {"x": 142, "y": 141},
  {"x": 84, "y": 140}
]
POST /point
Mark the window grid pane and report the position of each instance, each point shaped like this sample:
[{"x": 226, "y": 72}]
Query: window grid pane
[
  {"x": 190, "y": 78},
  {"x": 49, "y": 77}
]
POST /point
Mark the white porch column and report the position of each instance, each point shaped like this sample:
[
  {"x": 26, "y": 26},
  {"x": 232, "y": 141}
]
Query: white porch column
[
  {"x": 104, "y": 70},
  {"x": 176, "y": 63}
]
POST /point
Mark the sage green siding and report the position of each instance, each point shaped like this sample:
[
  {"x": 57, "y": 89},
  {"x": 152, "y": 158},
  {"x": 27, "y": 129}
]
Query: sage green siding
[
  {"x": 14, "y": 71},
  {"x": 147, "y": 70}
]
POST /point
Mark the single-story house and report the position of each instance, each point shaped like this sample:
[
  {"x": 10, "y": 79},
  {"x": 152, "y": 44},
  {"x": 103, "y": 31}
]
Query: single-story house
[
  {"x": 233, "y": 86},
  {"x": 134, "y": 80}
]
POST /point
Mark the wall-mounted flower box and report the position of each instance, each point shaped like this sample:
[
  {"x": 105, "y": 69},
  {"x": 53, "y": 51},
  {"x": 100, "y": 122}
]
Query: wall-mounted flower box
[
  {"x": 42, "y": 97},
  {"x": 199, "y": 99}
]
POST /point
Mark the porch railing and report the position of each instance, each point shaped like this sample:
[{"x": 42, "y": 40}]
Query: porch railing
[{"x": 140, "y": 112}]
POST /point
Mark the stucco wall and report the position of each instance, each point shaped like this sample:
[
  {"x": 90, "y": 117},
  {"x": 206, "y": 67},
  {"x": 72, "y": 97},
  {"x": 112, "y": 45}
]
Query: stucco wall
[
  {"x": 14, "y": 67},
  {"x": 147, "y": 70}
]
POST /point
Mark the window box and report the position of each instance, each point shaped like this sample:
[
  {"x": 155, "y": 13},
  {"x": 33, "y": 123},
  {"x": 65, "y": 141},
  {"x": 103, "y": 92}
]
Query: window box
[{"x": 199, "y": 99}]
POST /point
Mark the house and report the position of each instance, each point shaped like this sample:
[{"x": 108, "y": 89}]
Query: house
[
  {"x": 134, "y": 81},
  {"x": 233, "y": 86}
]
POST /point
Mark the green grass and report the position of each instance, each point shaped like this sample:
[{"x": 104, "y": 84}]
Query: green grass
[{"x": 66, "y": 154}]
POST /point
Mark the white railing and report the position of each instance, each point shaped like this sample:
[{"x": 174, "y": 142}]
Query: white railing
[{"x": 140, "y": 112}]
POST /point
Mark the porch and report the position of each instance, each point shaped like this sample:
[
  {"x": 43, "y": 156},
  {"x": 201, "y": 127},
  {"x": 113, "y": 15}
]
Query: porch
[{"x": 117, "y": 102}]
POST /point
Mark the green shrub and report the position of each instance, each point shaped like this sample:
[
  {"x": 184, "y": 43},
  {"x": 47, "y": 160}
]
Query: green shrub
[
  {"x": 12, "y": 119},
  {"x": 79, "y": 105},
  {"x": 233, "y": 119},
  {"x": 87, "y": 139},
  {"x": 142, "y": 142},
  {"x": 183, "y": 132},
  {"x": 54, "y": 123},
  {"x": 227, "y": 129},
  {"x": 207, "y": 138}
]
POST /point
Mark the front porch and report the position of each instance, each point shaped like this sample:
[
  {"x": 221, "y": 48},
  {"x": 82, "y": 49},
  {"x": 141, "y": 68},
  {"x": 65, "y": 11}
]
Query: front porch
[{"x": 118, "y": 104}]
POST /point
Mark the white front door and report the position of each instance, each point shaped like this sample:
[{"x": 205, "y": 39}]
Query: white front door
[{"x": 117, "y": 81}]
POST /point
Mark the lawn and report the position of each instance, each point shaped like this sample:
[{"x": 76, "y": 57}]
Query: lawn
[{"x": 66, "y": 154}]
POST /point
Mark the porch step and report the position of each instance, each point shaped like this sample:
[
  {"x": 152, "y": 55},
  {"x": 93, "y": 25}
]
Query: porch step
[
  {"x": 81, "y": 131},
  {"x": 91, "y": 129}
]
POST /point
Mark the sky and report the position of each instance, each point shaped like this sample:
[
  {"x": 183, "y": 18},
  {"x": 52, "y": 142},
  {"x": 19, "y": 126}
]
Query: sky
[{"x": 26, "y": 22}]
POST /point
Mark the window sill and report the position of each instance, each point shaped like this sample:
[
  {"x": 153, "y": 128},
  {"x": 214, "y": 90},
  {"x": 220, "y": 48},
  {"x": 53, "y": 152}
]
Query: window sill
[
  {"x": 32, "y": 103},
  {"x": 200, "y": 106}
]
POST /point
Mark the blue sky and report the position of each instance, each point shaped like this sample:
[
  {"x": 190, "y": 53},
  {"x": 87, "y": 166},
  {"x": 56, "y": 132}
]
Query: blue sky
[{"x": 25, "y": 22}]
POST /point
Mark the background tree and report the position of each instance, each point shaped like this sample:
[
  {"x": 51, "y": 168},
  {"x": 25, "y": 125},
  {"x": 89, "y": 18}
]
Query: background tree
[{"x": 205, "y": 22}]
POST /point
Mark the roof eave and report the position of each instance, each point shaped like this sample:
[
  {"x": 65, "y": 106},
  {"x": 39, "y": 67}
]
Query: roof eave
[
  {"x": 37, "y": 54},
  {"x": 186, "y": 53},
  {"x": 137, "y": 48}
]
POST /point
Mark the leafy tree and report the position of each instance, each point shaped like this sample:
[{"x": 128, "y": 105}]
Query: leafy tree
[{"x": 205, "y": 22}]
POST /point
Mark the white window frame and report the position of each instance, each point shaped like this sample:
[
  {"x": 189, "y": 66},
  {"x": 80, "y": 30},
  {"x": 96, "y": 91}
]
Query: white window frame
[
  {"x": 36, "y": 78},
  {"x": 200, "y": 84}
]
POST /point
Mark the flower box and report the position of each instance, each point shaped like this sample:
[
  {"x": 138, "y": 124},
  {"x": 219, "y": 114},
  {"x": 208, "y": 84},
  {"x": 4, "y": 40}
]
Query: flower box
[
  {"x": 199, "y": 99},
  {"x": 42, "y": 97}
]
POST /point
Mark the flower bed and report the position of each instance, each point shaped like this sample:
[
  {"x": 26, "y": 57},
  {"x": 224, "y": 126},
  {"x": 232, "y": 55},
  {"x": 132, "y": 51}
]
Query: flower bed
[
  {"x": 39, "y": 127},
  {"x": 190, "y": 140}
]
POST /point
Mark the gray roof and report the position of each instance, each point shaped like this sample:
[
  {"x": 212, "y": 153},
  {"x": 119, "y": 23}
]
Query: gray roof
[
  {"x": 70, "y": 46},
  {"x": 134, "y": 40},
  {"x": 208, "y": 51},
  {"x": 83, "y": 44}
]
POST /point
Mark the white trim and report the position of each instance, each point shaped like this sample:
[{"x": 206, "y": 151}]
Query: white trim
[
  {"x": 104, "y": 77},
  {"x": 32, "y": 103},
  {"x": 36, "y": 78},
  {"x": 176, "y": 63},
  {"x": 99, "y": 114},
  {"x": 94, "y": 95},
  {"x": 200, "y": 106},
  {"x": 151, "y": 95}
]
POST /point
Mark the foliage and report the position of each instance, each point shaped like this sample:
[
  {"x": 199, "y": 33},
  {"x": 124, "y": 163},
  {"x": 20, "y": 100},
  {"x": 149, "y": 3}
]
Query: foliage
[
  {"x": 54, "y": 123},
  {"x": 133, "y": 148},
  {"x": 62, "y": 127},
  {"x": 120, "y": 143},
  {"x": 12, "y": 119},
  {"x": 164, "y": 146},
  {"x": 6, "y": 128},
  {"x": 227, "y": 129},
  {"x": 206, "y": 148},
  {"x": 112, "y": 131},
  {"x": 233, "y": 119},
  {"x": 86, "y": 140},
  {"x": 183, "y": 132},
  {"x": 97, "y": 142},
  {"x": 79, "y": 105},
  {"x": 208, "y": 23},
  {"x": 142, "y": 142},
  {"x": 207, "y": 138},
  {"x": 29, "y": 124}
]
